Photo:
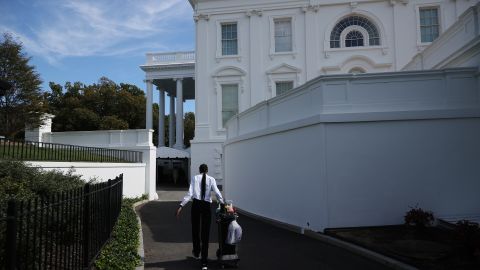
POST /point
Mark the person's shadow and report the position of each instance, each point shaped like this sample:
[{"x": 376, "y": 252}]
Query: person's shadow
[{"x": 188, "y": 263}]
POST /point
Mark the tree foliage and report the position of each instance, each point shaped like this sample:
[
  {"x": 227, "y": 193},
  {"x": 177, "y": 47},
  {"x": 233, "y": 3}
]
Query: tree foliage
[
  {"x": 189, "y": 127},
  {"x": 101, "y": 106},
  {"x": 106, "y": 105},
  {"x": 22, "y": 103}
]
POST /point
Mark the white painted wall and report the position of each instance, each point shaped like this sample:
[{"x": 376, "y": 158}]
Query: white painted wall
[
  {"x": 358, "y": 150},
  {"x": 35, "y": 134},
  {"x": 256, "y": 68},
  {"x": 134, "y": 140},
  {"x": 133, "y": 173},
  {"x": 459, "y": 46}
]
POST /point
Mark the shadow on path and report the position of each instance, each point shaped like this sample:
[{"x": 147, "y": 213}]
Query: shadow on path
[{"x": 167, "y": 244}]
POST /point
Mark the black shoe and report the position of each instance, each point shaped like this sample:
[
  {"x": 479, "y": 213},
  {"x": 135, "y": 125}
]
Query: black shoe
[
  {"x": 195, "y": 255},
  {"x": 204, "y": 266}
]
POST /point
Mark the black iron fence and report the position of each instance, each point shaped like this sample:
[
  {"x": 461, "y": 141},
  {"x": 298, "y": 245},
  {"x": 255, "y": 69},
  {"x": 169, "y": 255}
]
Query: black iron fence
[
  {"x": 33, "y": 151},
  {"x": 63, "y": 231}
]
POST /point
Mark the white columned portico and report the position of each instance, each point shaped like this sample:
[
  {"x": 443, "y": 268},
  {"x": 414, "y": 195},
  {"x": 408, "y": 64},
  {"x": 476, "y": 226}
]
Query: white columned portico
[
  {"x": 161, "y": 118},
  {"x": 179, "y": 116},
  {"x": 170, "y": 122},
  {"x": 149, "y": 116}
]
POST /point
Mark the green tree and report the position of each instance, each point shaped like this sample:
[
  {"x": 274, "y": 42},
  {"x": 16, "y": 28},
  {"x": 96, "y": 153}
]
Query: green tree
[
  {"x": 112, "y": 122},
  {"x": 104, "y": 105},
  {"x": 189, "y": 128},
  {"x": 22, "y": 103}
]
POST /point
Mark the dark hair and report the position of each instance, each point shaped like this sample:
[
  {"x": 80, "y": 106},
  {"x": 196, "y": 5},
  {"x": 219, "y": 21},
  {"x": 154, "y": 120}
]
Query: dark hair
[{"x": 203, "y": 168}]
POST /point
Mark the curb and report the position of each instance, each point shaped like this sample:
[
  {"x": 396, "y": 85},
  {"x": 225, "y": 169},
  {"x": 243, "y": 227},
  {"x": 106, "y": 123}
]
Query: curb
[
  {"x": 374, "y": 256},
  {"x": 140, "y": 250},
  {"x": 387, "y": 261}
]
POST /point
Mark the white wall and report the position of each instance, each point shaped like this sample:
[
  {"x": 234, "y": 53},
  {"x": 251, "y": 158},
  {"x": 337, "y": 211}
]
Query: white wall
[
  {"x": 358, "y": 150},
  {"x": 133, "y": 140},
  {"x": 459, "y": 46},
  {"x": 133, "y": 173},
  {"x": 256, "y": 68}
]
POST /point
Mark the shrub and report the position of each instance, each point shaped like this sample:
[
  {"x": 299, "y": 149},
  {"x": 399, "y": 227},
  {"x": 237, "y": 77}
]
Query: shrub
[
  {"x": 21, "y": 182},
  {"x": 418, "y": 217},
  {"x": 121, "y": 251}
]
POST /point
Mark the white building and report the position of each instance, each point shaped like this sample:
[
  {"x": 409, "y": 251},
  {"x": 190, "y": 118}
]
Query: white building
[{"x": 252, "y": 50}]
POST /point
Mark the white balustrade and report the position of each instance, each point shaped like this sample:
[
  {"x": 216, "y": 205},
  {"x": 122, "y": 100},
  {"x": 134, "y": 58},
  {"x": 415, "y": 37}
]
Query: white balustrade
[{"x": 171, "y": 58}]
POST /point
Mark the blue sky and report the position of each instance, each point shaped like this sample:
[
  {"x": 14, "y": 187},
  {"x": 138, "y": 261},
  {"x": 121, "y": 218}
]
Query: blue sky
[{"x": 83, "y": 40}]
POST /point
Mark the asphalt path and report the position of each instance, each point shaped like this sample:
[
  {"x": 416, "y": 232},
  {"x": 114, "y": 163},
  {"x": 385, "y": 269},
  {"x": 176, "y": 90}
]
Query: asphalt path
[{"x": 167, "y": 244}]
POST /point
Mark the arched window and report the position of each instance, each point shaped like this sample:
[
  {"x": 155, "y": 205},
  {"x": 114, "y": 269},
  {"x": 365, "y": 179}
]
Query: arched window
[
  {"x": 354, "y": 39},
  {"x": 357, "y": 70},
  {"x": 369, "y": 27}
]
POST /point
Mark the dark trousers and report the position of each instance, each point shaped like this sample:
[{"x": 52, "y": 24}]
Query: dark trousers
[{"x": 201, "y": 219}]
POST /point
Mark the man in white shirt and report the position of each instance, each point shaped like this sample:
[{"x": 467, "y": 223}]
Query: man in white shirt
[{"x": 200, "y": 189}]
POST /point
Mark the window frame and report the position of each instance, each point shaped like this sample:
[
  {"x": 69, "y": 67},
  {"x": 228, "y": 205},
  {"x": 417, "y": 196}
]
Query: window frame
[
  {"x": 219, "y": 51},
  {"x": 272, "y": 20},
  {"x": 357, "y": 28},
  {"x": 283, "y": 81},
  {"x": 225, "y": 80},
  {"x": 221, "y": 104},
  {"x": 286, "y": 19},
  {"x": 436, "y": 5}
]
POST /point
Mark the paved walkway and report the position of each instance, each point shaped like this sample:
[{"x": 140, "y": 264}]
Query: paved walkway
[{"x": 167, "y": 244}]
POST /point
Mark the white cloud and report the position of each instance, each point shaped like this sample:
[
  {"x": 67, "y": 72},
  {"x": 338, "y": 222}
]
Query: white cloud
[{"x": 62, "y": 28}]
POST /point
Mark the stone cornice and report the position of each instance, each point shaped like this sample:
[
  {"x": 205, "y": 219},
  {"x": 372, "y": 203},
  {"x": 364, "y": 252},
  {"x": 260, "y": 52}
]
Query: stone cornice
[
  {"x": 200, "y": 16},
  {"x": 252, "y": 12},
  {"x": 313, "y": 8}
]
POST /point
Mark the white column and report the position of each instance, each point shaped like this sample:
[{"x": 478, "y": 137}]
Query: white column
[
  {"x": 149, "y": 116},
  {"x": 170, "y": 121},
  {"x": 161, "y": 118},
  {"x": 179, "y": 117}
]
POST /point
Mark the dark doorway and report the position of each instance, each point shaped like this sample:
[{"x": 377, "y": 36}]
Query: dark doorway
[{"x": 172, "y": 172}]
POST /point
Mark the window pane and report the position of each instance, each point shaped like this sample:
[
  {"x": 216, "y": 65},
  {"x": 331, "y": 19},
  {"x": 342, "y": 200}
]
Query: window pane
[
  {"x": 354, "y": 39},
  {"x": 229, "y": 101},
  {"x": 229, "y": 39},
  {"x": 283, "y": 35},
  {"x": 429, "y": 25},
  {"x": 283, "y": 87},
  {"x": 374, "y": 36}
]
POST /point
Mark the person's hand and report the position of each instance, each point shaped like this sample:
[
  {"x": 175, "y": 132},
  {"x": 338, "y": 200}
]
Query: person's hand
[{"x": 177, "y": 214}]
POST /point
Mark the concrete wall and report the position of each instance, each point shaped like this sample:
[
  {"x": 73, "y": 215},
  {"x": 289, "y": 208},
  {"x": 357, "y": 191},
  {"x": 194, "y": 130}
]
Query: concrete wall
[
  {"x": 134, "y": 140},
  {"x": 133, "y": 173},
  {"x": 358, "y": 150}
]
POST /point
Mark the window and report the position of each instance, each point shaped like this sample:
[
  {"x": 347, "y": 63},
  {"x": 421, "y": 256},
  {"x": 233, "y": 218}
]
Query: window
[
  {"x": 229, "y": 39},
  {"x": 361, "y": 22},
  {"x": 356, "y": 70},
  {"x": 354, "y": 39},
  {"x": 229, "y": 101},
  {"x": 283, "y": 87},
  {"x": 429, "y": 24},
  {"x": 283, "y": 35}
]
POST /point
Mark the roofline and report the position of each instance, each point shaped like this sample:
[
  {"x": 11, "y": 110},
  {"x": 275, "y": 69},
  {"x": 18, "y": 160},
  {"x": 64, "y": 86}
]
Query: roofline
[{"x": 193, "y": 3}]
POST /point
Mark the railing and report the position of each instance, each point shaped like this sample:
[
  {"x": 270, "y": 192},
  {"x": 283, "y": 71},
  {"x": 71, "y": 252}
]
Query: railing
[
  {"x": 40, "y": 151},
  {"x": 63, "y": 231},
  {"x": 171, "y": 58}
]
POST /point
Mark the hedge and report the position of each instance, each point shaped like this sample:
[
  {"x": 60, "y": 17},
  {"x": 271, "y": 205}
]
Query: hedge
[{"x": 121, "y": 250}]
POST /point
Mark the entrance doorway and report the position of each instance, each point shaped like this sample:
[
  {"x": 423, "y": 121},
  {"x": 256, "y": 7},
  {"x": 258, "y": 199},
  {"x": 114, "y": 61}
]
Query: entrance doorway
[{"x": 172, "y": 172}]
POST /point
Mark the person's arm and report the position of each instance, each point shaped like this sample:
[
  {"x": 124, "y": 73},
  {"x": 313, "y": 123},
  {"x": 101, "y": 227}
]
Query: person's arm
[
  {"x": 217, "y": 191},
  {"x": 187, "y": 197}
]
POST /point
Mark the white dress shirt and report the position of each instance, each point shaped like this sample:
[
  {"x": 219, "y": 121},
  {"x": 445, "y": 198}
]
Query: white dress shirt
[{"x": 195, "y": 190}]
